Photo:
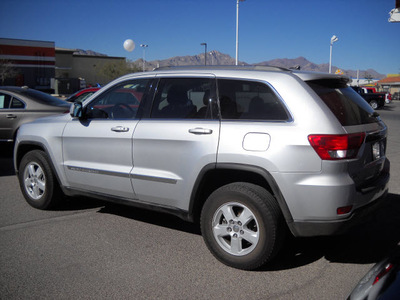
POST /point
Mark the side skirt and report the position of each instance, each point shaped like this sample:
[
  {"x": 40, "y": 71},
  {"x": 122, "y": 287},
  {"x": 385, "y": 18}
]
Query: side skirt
[{"x": 182, "y": 214}]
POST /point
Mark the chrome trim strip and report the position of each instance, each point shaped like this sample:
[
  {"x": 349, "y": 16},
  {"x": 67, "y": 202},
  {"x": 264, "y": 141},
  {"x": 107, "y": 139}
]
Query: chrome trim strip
[
  {"x": 100, "y": 172},
  {"x": 153, "y": 178},
  {"x": 118, "y": 174}
]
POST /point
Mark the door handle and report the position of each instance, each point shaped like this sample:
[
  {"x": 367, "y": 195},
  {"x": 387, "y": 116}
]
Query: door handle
[
  {"x": 10, "y": 116},
  {"x": 120, "y": 129},
  {"x": 199, "y": 130}
]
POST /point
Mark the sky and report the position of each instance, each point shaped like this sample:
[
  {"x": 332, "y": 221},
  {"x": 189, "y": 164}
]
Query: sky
[{"x": 268, "y": 29}]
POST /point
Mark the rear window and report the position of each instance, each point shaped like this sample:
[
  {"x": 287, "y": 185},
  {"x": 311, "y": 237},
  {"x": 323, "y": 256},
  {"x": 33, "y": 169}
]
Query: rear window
[
  {"x": 249, "y": 100},
  {"x": 348, "y": 106},
  {"x": 43, "y": 97}
]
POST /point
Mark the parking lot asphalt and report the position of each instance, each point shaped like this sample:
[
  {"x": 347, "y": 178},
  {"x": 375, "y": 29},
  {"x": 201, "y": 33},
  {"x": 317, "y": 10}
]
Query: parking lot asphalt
[{"x": 89, "y": 249}]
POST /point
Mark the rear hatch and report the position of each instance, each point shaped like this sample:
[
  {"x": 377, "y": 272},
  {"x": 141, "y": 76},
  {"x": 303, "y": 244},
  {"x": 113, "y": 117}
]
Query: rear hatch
[{"x": 366, "y": 132}]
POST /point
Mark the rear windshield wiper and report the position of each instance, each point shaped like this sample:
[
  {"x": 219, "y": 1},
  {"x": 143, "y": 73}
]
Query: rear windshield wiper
[{"x": 375, "y": 115}]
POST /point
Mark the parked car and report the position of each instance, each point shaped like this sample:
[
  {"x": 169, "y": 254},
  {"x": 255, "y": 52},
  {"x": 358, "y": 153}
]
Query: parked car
[
  {"x": 81, "y": 95},
  {"x": 19, "y": 105},
  {"x": 368, "y": 89},
  {"x": 372, "y": 90},
  {"x": 251, "y": 153},
  {"x": 388, "y": 98},
  {"x": 381, "y": 282},
  {"x": 396, "y": 96},
  {"x": 376, "y": 100}
]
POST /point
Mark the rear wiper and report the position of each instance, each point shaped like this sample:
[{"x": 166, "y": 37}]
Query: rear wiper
[{"x": 375, "y": 114}]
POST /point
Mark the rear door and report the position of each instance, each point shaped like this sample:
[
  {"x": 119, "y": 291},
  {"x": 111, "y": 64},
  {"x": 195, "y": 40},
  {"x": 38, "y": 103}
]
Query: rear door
[
  {"x": 12, "y": 112},
  {"x": 177, "y": 138},
  {"x": 98, "y": 150}
]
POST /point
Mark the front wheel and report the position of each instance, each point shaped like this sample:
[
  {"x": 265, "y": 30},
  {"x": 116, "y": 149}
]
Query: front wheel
[
  {"x": 37, "y": 181},
  {"x": 242, "y": 225}
]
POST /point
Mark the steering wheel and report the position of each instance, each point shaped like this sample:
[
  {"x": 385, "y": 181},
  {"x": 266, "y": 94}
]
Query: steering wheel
[{"x": 122, "y": 110}]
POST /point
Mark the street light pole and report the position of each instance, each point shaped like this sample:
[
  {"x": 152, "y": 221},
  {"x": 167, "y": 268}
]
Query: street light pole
[
  {"x": 334, "y": 38},
  {"x": 144, "y": 54},
  {"x": 205, "y": 53},
  {"x": 237, "y": 31},
  {"x": 212, "y": 58}
]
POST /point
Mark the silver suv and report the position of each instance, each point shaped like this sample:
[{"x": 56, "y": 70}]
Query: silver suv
[{"x": 251, "y": 153}]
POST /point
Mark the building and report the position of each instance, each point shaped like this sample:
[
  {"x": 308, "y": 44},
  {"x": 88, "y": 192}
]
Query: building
[
  {"x": 390, "y": 84},
  {"x": 42, "y": 66},
  {"x": 363, "y": 81},
  {"x": 30, "y": 63},
  {"x": 76, "y": 68}
]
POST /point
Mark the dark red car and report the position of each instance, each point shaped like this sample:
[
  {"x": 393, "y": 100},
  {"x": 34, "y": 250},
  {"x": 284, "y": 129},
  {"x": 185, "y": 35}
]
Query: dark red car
[{"x": 81, "y": 95}]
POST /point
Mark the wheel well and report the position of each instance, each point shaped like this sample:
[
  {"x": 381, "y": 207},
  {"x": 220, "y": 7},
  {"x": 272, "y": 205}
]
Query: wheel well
[
  {"x": 215, "y": 178},
  {"x": 23, "y": 149}
]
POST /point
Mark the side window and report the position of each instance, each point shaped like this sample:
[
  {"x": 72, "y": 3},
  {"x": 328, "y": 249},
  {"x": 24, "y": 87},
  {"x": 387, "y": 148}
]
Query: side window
[
  {"x": 82, "y": 97},
  {"x": 249, "y": 100},
  {"x": 185, "y": 98},
  {"x": 4, "y": 101},
  {"x": 15, "y": 103},
  {"x": 119, "y": 102}
]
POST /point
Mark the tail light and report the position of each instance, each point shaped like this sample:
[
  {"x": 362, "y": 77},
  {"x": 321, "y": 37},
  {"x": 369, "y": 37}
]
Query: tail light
[
  {"x": 337, "y": 146},
  {"x": 382, "y": 273}
]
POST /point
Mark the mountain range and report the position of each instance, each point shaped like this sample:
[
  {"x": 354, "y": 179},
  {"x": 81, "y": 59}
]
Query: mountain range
[{"x": 218, "y": 58}]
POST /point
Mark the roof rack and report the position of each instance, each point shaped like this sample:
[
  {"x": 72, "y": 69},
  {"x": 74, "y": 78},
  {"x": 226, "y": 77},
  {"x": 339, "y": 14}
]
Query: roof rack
[{"x": 224, "y": 67}]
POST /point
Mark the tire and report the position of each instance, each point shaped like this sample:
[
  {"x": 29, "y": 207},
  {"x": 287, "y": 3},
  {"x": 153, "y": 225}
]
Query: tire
[
  {"x": 242, "y": 225},
  {"x": 37, "y": 181},
  {"x": 374, "y": 104}
]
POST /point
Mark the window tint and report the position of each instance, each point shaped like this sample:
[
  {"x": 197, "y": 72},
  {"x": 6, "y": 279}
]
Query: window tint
[
  {"x": 119, "y": 102},
  {"x": 346, "y": 104},
  {"x": 185, "y": 98},
  {"x": 249, "y": 100},
  {"x": 83, "y": 97},
  {"x": 42, "y": 97},
  {"x": 4, "y": 101},
  {"x": 15, "y": 103}
]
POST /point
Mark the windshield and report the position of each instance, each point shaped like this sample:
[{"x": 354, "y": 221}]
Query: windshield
[{"x": 348, "y": 106}]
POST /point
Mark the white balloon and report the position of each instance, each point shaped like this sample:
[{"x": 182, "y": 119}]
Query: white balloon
[{"x": 129, "y": 45}]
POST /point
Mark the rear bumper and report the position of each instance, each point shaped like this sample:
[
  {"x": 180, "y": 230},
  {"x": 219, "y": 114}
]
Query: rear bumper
[
  {"x": 376, "y": 190},
  {"x": 325, "y": 228}
]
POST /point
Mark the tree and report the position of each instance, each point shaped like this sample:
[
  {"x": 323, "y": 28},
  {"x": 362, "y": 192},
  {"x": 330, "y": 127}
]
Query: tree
[
  {"x": 113, "y": 70},
  {"x": 7, "y": 70}
]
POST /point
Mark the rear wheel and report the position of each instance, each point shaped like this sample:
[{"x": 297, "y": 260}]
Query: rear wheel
[
  {"x": 374, "y": 104},
  {"x": 242, "y": 225},
  {"x": 37, "y": 181}
]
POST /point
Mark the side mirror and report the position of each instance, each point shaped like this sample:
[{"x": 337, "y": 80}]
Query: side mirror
[{"x": 76, "y": 110}]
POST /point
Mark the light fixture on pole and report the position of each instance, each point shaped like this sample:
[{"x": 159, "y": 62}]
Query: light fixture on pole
[
  {"x": 237, "y": 31},
  {"x": 334, "y": 38},
  {"x": 144, "y": 54},
  {"x": 205, "y": 53},
  {"x": 212, "y": 57}
]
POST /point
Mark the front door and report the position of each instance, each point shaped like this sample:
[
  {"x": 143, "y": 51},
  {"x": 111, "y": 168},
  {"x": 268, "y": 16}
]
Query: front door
[{"x": 97, "y": 149}]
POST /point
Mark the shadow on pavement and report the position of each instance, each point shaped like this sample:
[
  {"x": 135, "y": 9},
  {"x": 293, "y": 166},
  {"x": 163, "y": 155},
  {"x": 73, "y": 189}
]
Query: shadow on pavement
[
  {"x": 364, "y": 244},
  {"x": 6, "y": 160},
  {"x": 151, "y": 217}
]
